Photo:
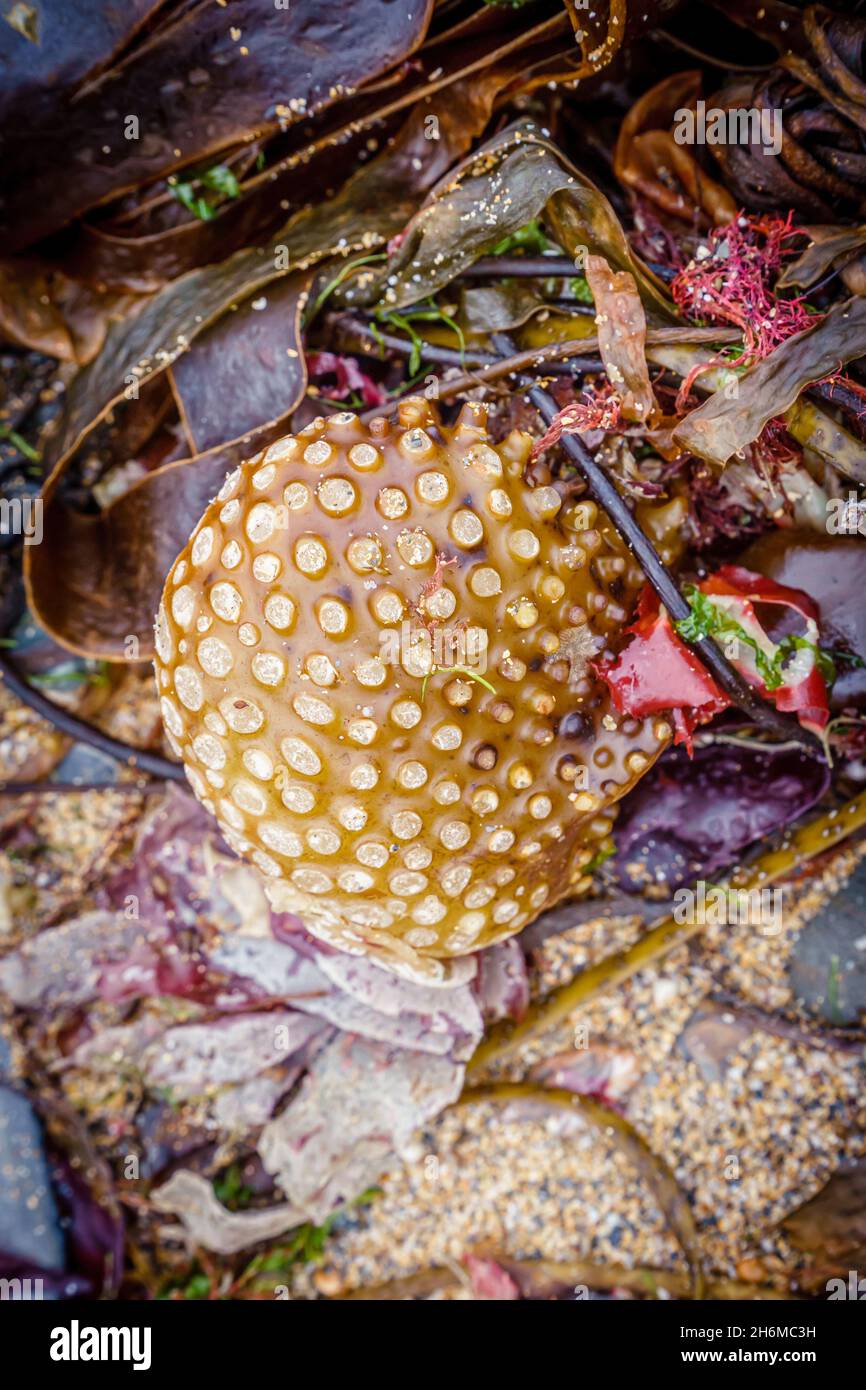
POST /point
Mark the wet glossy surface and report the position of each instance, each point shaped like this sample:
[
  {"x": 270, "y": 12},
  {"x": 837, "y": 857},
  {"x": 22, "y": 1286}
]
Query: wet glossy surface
[{"x": 374, "y": 658}]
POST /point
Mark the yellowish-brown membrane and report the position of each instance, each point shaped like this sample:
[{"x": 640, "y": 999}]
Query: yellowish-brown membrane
[{"x": 374, "y": 658}]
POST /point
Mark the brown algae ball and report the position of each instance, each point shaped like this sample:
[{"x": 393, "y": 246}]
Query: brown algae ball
[{"x": 367, "y": 660}]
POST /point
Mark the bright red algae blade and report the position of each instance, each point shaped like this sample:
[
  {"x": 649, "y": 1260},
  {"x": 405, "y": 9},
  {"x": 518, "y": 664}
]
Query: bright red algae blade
[
  {"x": 807, "y": 698},
  {"x": 657, "y": 672},
  {"x": 723, "y": 426}
]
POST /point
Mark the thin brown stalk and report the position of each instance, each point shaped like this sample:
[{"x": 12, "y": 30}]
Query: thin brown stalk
[
  {"x": 651, "y": 1166},
  {"x": 604, "y": 491},
  {"x": 442, "y": 356},
  {"x": 556, "y": 352},
  {"x": 547, "y": 1278},
  {"x": 151, "y": 763}
]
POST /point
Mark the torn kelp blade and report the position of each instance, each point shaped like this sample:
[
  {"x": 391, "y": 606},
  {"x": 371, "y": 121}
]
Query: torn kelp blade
[
  {"x": 96, "y": 579},
  {"x": 257, "y": 347},
  {"x": 104, "y": 253},
  {"x": 510, "y": 180},
  {"x": 811, "y": 426},
  {"x": 690, "y": 817},
  {"x": 41, "y": 307},
  {"x": 113, "y": 564},
  {"x": 492, "y": 48},
  {"x": 372, "y": 206},
  {"x": 50, "y": 48},
  {"x": 726, "y": 423},
  {"x": 500, "y": 305},
  {"x": 648, "y": 160},
  {"x": 210, "y": 79},
  {"x": 828, "y": 244},
  {"x": 829, "y": 1230}
]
